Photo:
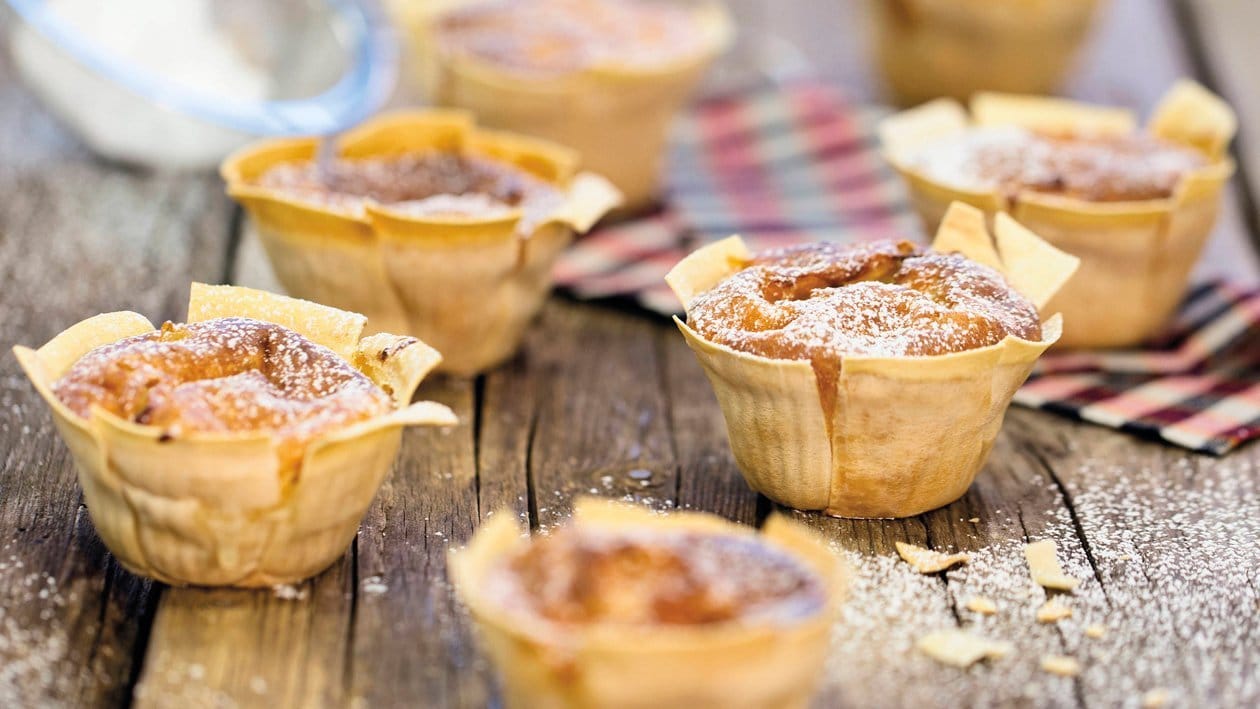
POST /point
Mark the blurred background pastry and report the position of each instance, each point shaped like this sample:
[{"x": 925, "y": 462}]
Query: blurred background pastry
[
  {"x": 423, "y": 222},
  {"x": 930, "y": 48},
  {"x": 1136, "y": 205},
  {"x": 604, "y": 77}
]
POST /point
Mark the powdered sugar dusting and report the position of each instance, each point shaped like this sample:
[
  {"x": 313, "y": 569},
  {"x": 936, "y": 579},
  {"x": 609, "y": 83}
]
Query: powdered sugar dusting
[
  {"x": 823, "y": 302},
  {"x": 1175, "y": 586},
  {"x": 648, "y": 577},
  {"x": 1178, "y": 554},
  {"x": 227, "y": 374},
  {"x": 459, "y": 205},
  {"x": 420, "y": 184},
  {"x": 38, "y": 661},
  {"x": 1013, "y": 159}
]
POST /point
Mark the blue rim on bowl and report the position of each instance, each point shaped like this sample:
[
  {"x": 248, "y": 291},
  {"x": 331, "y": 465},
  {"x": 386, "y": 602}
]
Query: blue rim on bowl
[{"x": 357, "y": 94}]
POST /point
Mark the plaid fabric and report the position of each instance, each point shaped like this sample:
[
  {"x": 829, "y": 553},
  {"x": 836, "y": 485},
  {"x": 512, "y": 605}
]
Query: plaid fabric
[
  {"x": 1198, "y": 386},
  {"x": 777, "y": 167},
  {"x": 797, "y": 164}
]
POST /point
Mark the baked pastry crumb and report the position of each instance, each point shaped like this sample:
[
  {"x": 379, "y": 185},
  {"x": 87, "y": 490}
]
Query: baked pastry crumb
[
  {"x": 1053, "y": 611},
  {"x": 928, "y": 561},
  {"x": 959, "y": 648},
  {"x": 1061, "y": 665},
  {"x": 982, "y": 605},
  {"x": 1043, "y": 566}
]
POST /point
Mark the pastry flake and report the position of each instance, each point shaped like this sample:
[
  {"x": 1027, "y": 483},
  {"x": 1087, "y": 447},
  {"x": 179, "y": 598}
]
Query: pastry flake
[
  {"x": 425, "y": 223},
  {"x": 1053, "y": 611},
  {"x": 613, "y": 110},
  {"x": 230, "y": 508},
  {"x": 1192, "y": 115},
  {"x": 982, "y": 605},
  {"x": 1061, "y": 665},
  {"x": 1045, "y": 114},
  {"x": 1136, "y": 252},
  {"x": 620, "y": 639},
  {"x": 959, "y": 648},
  {"x": 1156, "y": 698},
  {"x": 1043, "y": 566},
  {"x": 801, "y": 442},
  {"x": 928, "y": 561}
]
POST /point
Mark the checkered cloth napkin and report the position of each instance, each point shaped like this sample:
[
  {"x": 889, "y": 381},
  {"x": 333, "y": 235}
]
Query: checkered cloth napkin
[{"x": 797, "y": 164}]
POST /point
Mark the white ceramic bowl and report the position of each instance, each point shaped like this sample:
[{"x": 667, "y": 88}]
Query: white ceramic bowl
[{"x": 181, "y": 83}]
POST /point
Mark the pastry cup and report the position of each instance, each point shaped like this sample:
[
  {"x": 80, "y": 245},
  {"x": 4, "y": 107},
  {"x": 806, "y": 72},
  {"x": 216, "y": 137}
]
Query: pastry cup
[
  {"x": 930, "y": 48},
  {"x": 905, "y": 434},
  {"x": 724, "y": 665},
  {"x": 617, "y": 116},
  {"x": 216, "y": 509},
  {"x": 1136, "y": 257},
  {"x": 467, "y": 285}
]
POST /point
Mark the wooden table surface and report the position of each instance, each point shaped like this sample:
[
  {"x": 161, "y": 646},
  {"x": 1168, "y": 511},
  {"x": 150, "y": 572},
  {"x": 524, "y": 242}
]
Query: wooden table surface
[{"x": 1165, "y": 541}]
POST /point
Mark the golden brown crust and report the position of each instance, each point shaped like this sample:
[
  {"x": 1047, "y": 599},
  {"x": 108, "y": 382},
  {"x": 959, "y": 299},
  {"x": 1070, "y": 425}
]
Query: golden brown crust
[
  {"x": 224, "y": 375},
  {"x": 632, "y": 577},
  {"x": 823, "y": 302},
  {"x": 420, "y": 184},
  {"x": 561, "y": 36}
]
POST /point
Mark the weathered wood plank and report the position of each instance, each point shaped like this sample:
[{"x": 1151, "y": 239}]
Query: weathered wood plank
[
  {"x": 708, "y": 479},
  {"x": 506, "y": 415},
  {"x": 1178, "y": 587},
  {"x": 77, "y": 237},
  {"x": 601, "y": 426},
  {"x": 224, "y": 647},
  {"x": 412, "y": 644}
]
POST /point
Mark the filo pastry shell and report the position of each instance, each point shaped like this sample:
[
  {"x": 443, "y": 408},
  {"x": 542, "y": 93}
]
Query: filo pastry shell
[
  {"x": 732, "y": 664},
  {"x": 931, "y": 48},
  {"x": 905, "y": 434},
  {"x": 617, "y": 116},
  {"x": 467, "y": 285},
  {"x": 216, "y": 509},
  {"x": 1137, "y": 256}
]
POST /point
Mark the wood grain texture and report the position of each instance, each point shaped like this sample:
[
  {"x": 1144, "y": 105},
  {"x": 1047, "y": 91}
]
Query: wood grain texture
[
  {"x": 226, "y": 647},
  {"x": 601, "y": 426},
  {"x": 708, "y": 479},
  {"x": 1161, "y": 532},
  {"x": 411, "y": 642},
  {"x": 77, "y": 237}
]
